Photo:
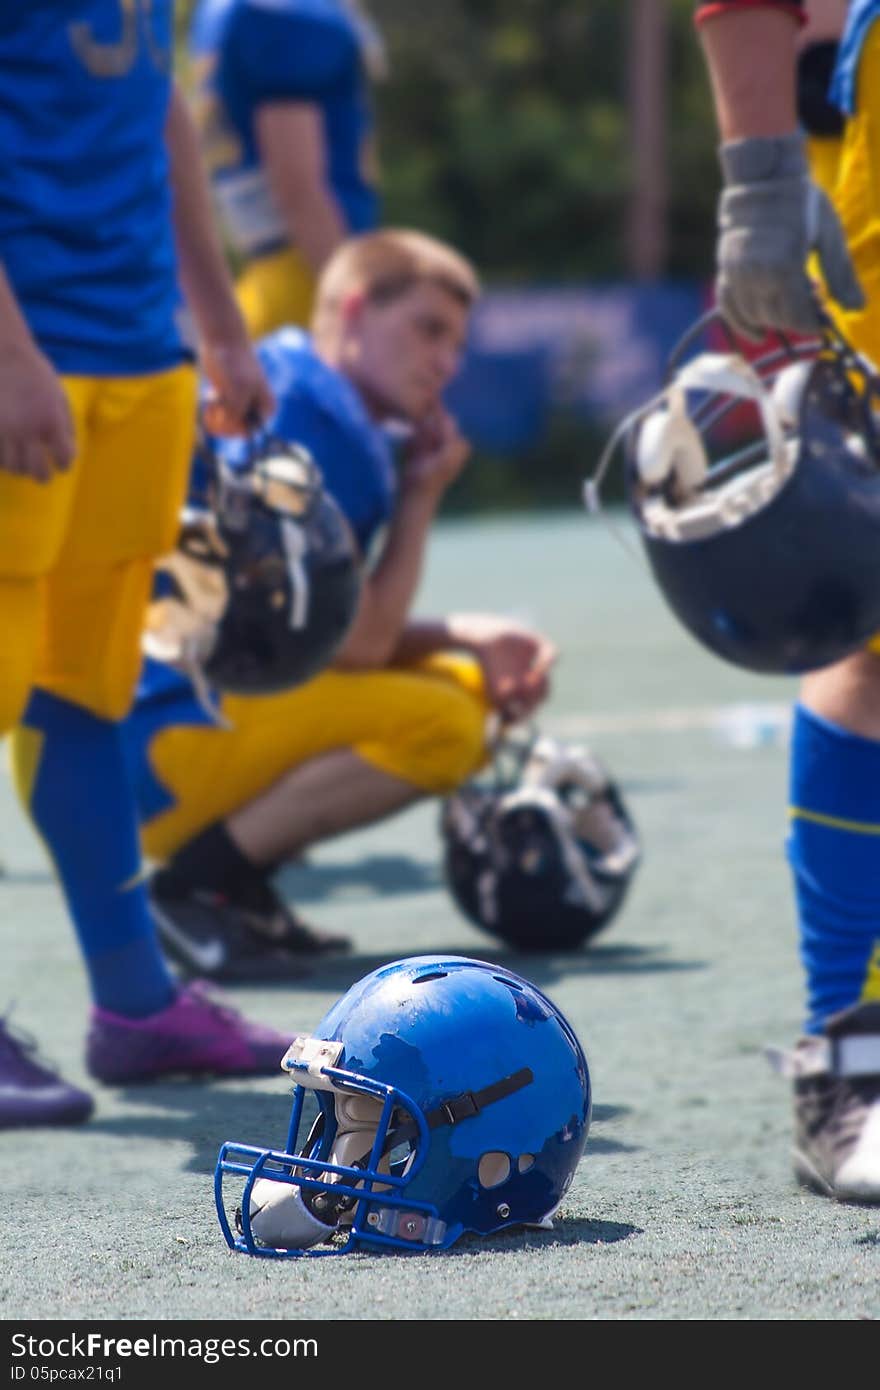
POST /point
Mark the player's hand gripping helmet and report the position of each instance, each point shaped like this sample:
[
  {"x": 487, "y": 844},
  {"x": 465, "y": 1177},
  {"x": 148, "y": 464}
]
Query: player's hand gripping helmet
[
  {"x": 755, "y": 487},
  {"x": 541, "y": 849},
  {"x": 451, "y": 1096},
  {"x": 264, "y": 582}
]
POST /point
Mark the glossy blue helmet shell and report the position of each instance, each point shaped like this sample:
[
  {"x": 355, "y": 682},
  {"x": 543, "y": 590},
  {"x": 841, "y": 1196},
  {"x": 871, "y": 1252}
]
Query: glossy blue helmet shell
[{"x": 486, "y": 1104}]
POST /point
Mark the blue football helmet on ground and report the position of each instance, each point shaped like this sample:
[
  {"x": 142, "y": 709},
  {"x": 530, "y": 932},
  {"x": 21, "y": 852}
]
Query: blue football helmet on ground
[
  {"x": 755, "y": 487},
  {"x": 452, "y": 1096},
  {"x": 264, "y": 581}
]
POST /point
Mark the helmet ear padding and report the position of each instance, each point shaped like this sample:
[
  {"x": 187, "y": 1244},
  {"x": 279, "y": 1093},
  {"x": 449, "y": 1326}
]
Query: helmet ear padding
[{"x": 669, "y": 446}]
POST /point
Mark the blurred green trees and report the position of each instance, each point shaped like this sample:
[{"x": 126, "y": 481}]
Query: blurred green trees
[{"x": 504, "y": 127}]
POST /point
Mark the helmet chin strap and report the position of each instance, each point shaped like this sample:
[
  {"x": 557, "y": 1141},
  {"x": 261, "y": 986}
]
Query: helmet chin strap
[
  {"x": 182, "y": 632},
  {"x": 295, "y": 547},
  {"x": 729, "y": 374}
]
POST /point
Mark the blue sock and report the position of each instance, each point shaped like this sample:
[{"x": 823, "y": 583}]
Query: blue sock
[
  {"x": 83, "y": 808},
  {"x": 834, "y": 852}
]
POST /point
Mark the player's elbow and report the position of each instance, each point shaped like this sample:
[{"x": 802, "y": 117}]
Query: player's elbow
[{"x": 364, "y": 651}]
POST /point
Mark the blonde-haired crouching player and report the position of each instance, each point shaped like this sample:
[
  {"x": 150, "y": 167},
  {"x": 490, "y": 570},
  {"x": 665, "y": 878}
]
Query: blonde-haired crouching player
[{"x": 403, "y": 712}]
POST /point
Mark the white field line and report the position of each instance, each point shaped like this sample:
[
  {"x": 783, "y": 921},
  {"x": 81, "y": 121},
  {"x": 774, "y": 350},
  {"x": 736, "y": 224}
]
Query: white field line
[
  {"x": 748, "y": 724},
  {"x": 744, "y": 724}
]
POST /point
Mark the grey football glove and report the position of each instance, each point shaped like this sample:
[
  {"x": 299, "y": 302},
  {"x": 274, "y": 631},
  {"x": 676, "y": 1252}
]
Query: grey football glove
[{"x": 770, "y": 217}]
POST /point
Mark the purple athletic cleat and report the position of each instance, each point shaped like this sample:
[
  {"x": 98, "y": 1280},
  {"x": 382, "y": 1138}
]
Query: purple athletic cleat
[
  {"x": 195, "y": 1034},
  {"x": 30, "y": 1093}
]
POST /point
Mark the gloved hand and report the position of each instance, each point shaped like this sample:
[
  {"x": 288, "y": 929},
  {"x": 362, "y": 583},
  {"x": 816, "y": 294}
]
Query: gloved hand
[{"x": 770, "y": 217}]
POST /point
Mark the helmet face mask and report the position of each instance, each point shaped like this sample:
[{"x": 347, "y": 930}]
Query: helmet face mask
[
  {"x": 541, "y": 851},
  {"x": 755, "y": 489},
  {"x": 452, "y": 1096},
  {"x": 264, "y": 581}
]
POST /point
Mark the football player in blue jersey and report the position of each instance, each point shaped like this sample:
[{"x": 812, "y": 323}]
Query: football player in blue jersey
[
  {"x": 106, "y": 236},
  {"x": 771, "y": 216},
  {"x": 404, "y": 710},
  {"x": 283, "y": 102}
]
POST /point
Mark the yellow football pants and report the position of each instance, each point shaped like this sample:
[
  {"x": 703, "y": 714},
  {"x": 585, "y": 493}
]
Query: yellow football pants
[
  {"x": 849, "y": 171},
  {"x": 823, "y": 153},
  {"x": 425, "y": 724},
  {"x": 850, "y": 174},
  {"x": 276, "y": 290},
  {"x": 77, "y": 554}
]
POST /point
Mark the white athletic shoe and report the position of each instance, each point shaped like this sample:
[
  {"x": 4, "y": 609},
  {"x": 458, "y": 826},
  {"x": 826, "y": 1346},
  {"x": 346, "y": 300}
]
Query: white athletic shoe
[{"x": 836, "y": 1080}]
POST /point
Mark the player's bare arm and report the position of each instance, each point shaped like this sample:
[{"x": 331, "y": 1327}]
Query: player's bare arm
[
  {"x": 436, "y": 455},
  {"x": 516, "y": 660},
  {"x": 36, "y": 429},
  {"x": 240, "y": 392},
  {"x": 293, "y": 149},
  {"x": 770, "y": 214},
  {"x": 750, "y": 56}
]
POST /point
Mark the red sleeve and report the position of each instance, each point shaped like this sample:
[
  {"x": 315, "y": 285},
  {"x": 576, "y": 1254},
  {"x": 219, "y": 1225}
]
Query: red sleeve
[{"x": 708, "y": 9}]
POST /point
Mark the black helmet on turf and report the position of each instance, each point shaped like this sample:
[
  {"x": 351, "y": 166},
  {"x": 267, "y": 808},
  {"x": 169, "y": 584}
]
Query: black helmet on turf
[{"x": 540, "y": 850}]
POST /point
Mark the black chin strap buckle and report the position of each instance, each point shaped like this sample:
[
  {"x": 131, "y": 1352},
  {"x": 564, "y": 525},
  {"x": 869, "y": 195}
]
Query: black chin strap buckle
[
  {"x": 470, "y": 1103},
  {"x": 461, "y": 1107}
]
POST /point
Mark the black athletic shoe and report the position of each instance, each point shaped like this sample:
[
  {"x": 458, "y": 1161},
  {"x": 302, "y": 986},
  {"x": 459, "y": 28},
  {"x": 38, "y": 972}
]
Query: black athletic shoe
[{"x": 211, "y": 938}]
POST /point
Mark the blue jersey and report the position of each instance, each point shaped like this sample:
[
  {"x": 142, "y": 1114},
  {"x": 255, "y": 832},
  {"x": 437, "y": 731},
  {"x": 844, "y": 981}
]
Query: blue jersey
[
  {"x": 85, "y": 215},
  {"x": 320, "y": 408},
  {"x": 315, "y": 406},
  {"x": 250, "y": 52},
  {"x": 860, "y": 16}
]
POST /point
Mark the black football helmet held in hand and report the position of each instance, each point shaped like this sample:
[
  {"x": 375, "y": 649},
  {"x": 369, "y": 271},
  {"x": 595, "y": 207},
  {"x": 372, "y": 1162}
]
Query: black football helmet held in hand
[
  {"x": 540, "y": 850},
  {"x": 264, "y": 582},
  {"x": 755, "y": 488}
]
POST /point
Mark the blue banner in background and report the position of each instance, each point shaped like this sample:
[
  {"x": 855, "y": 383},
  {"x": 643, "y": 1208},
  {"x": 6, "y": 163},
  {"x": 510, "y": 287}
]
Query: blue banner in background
[{"x": 594, "y": 352}]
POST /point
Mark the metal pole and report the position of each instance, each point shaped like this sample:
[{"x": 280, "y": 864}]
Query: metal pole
[{"x": 647, "y": 79}]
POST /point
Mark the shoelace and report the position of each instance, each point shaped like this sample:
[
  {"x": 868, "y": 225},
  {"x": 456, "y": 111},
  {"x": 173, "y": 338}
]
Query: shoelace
[
  {"x": 287, "y": 929},
  {"x": 849, "y": 1119},
  {"x": 19, "y": 1045},
  {"x": 200, "y": 994}
]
